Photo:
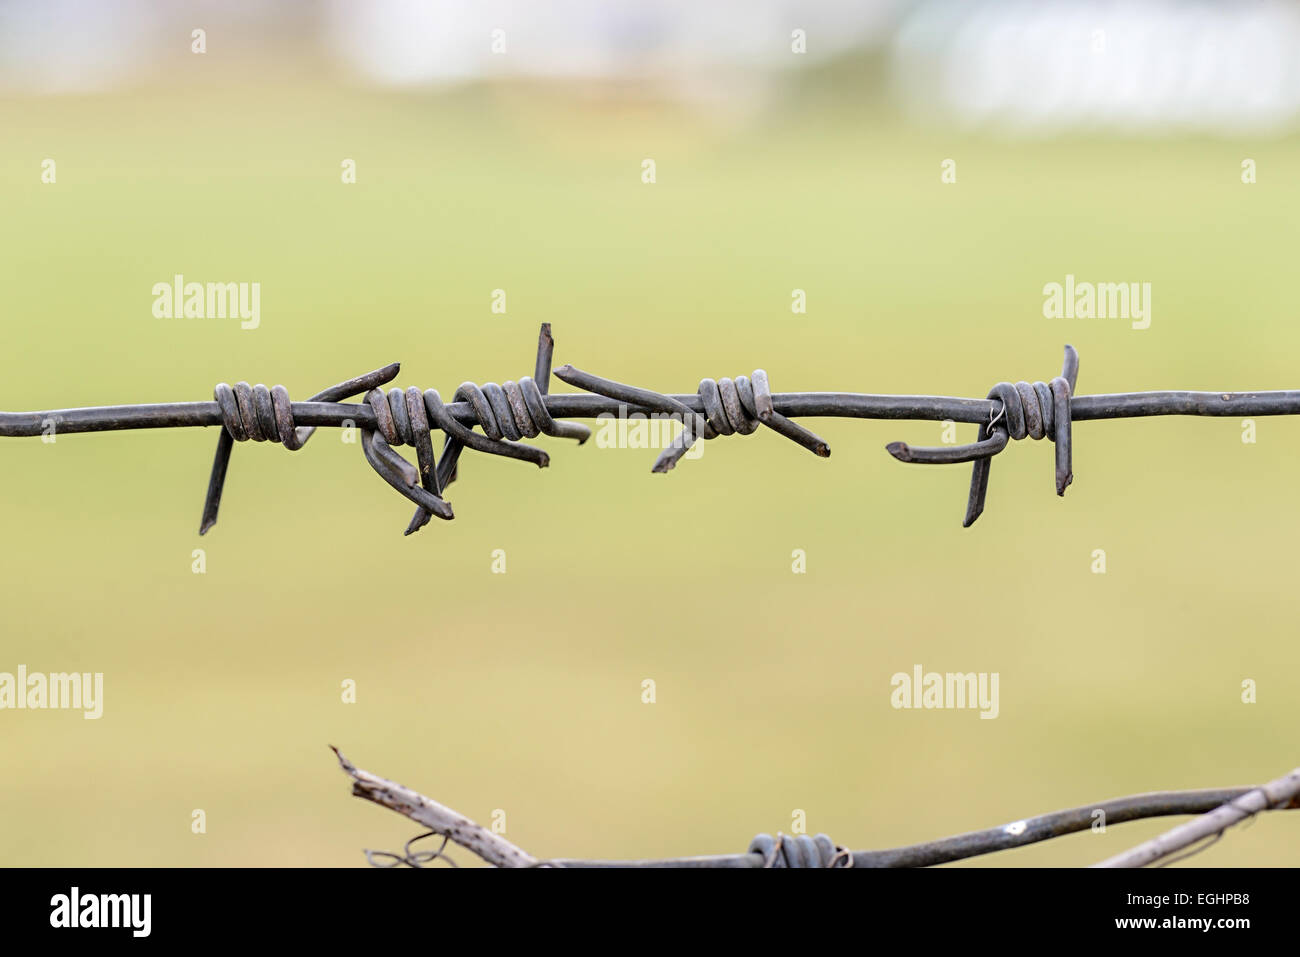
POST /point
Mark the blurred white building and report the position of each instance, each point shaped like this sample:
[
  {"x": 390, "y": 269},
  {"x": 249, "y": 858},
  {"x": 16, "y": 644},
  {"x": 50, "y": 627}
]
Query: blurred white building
[
  {"x": 1150, "y": 66},
  {"x": 1153, "y": 66}
]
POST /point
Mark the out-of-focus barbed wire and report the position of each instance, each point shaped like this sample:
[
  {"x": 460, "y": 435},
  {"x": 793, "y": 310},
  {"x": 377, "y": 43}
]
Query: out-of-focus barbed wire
[{"x": 1220, "y": 808}]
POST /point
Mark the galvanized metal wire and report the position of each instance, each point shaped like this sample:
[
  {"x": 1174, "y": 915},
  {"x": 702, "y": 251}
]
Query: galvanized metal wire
[{"x": 506, "y": 414}]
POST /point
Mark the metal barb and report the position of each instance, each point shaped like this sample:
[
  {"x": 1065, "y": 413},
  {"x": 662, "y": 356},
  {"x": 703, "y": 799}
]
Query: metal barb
[
  {"x": 508, "y": 413},
  {"x": 511, "y": 411},
  {"x": 1038, "y": 410}
]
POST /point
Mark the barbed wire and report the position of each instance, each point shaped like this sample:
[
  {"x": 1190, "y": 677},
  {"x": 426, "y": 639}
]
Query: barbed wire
[
  {"x": 1220, "y": 808},
  {"x": 507, "y": 413}
]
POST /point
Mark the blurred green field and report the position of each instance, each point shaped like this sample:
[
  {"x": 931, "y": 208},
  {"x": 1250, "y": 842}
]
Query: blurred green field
[{"x": 521, "y": 691}]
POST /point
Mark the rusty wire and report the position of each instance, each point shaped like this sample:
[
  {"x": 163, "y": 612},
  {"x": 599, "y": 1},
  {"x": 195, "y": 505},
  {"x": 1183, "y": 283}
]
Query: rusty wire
[{"x": 512, "y": 411}]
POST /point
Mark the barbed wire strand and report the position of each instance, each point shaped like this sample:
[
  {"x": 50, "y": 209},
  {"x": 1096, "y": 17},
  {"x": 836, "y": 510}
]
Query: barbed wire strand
[
  {"x": 507, "y": 413},
  {"x": 1219, "y": 807}
]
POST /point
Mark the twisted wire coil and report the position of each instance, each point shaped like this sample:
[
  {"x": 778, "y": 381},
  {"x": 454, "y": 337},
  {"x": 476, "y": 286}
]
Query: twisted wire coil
[
  {"x": 506, "y": 413},
  {"x": 800, "y": 851},
  {"x": 731, "y": 407}
]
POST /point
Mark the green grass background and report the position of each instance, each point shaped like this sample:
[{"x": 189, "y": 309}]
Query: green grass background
[{"x": 522, "y": 692}]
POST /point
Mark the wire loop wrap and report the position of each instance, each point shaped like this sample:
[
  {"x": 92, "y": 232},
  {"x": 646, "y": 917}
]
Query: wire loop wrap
[
  {"x": 800, "y": 851},
  {"x": 259, "y": 414},
  {"x": 506, "y": 413},
  {"x": 731, "y": 407}
]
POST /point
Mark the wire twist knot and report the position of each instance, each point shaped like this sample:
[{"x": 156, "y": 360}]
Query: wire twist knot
[
  {"x": 506, "y": 413},
  {"x": 735, "y": 406},
  {"x": 800, "y": 851},
  {"x": 259, "y": 414},
  {"x": 1029, "y": 410},
  {"x": 730, "y": 407}
]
